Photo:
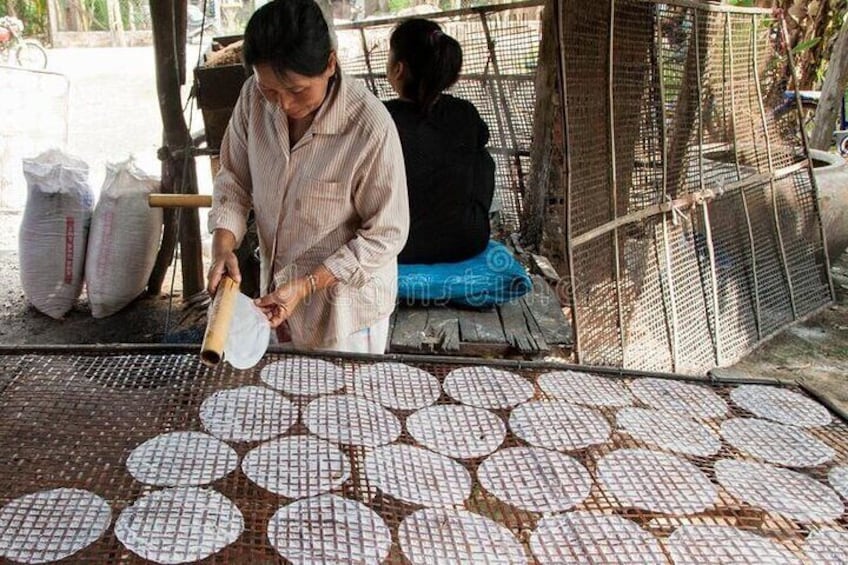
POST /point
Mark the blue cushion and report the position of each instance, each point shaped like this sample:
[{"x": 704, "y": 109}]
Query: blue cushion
[{"x": 492, "y": 277}]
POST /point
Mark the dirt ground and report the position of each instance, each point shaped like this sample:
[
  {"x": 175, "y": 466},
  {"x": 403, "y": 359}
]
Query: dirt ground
[{"x": 114, "y": 113}]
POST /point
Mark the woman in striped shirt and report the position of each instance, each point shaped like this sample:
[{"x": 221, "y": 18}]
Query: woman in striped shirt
[{"x": 318, "y": 159}]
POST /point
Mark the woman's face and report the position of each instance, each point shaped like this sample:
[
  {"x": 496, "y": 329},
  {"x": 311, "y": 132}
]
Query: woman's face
[
  {"x": 394, "y": 73},
  {"x": 298, "y": 96}
]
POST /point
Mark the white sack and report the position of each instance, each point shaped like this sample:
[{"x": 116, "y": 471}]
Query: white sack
[
  {"x": 124, "y": 239},
  {"x": 54, "y": 229}
]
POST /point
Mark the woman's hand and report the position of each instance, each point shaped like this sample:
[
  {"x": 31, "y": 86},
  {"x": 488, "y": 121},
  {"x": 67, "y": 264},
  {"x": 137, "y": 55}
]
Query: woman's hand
[
  {"x": 224, "y": 264},
  {"x": 224, "y": 261},
  {"x": 279, "y": 305}
]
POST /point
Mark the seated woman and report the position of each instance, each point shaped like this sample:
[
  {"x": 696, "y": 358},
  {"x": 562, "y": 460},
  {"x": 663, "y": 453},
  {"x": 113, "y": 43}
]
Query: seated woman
[{"x": 450, "y": 175}]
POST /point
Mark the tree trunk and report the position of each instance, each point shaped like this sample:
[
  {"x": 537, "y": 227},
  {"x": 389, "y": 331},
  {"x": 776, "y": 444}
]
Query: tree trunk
[
  {"x": 178, "y": 167},
  {"x": 53, "y": 20},
  {"x": 116, "y": 23},
  {"x": 832, "y": 91},
  {"x": 77, "y": 16}
]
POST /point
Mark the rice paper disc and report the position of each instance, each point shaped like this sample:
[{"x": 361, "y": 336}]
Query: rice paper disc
[
  {"x": 462, "y": 432},
  {"x": 655, "y": 482},
  {"x": 535, "y": 479},
  {"x": 449, "y": 536},
  {"x": 586, "y": 538},
  {"x": 784, "y": 492},
  {"x": 179, "y": 525},
  {"x": 50, "y": 525}
]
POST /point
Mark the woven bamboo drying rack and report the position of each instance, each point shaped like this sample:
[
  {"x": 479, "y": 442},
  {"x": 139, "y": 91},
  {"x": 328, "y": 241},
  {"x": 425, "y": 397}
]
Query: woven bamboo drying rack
[{"x": 73, "y": 415}]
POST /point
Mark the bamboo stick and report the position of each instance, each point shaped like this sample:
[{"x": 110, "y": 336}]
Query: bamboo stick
[
  {"x": 367, "y": 54},
  {"x": 751, "y": 240},
  {"x": 708, "y": 227},
  {"x": 686, "y": 201},
  {"x": 566, "y": 143},
  {"x": 809, "y": 162},
  {"x": 671, "y": 321},
  {"x": 613, "y": 177},
  {"x": 490, "y": 44},
  {"x": 218, "y": 322},
  {"x": 672, "y": 296},
  {"x": 775, "y": 214},
  {"x": 162, "y": 200},
  {"x": 754, "y": 276},
  {"x": 487, "y": 9}
]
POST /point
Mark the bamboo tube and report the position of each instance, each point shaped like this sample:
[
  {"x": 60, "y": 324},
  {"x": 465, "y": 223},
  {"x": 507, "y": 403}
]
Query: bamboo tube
[
  {"x": 160, "y": 200},
  {"x": 218, "y": 322}
]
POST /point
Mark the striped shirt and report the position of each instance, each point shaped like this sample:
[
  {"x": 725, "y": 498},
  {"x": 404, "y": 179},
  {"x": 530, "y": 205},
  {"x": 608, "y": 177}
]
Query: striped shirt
[{"x": 337, "y": 198}]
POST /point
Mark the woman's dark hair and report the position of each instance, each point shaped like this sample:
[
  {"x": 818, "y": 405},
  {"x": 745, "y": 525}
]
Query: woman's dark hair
[
  {"x": 432, "y": 60},
  {"x": 288, "y": 35}
]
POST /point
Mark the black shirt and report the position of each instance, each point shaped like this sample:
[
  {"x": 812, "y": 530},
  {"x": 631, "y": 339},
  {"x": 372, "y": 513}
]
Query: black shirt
[{"x": 450, "y": 178}]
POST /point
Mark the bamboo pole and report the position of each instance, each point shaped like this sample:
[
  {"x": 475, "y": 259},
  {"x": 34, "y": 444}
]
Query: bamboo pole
[
  {"x": 672, "y": 296},
  {"x": 487, "y": 9},
  {"x": 566, "y": 149},
  {"x": 663, "y": 117},
  {"x": 671, "y": 321},
  {"x": 728, "y": 48},
  {"x": 686, "y": 201},
  {"x": 706, "y": 212},
  {"x": 806, "y": 142},
  {"x": 218, "y": 322},
  {"x": 367, "y": 54},
  {"x": 613, "y": 179},
  {"x": 770, "y": 160},
  {"x": 504, "y": 102},
  {"x": 487, "y": 83},
  {"x": 754, "y": 275},
  {"x": 163, "y": 200},
  {"x": 751, "y": 239}
]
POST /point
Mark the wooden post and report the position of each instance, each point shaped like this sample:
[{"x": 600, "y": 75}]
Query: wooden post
[
  {"x": 116, "y": 23},
  {"x": 53, "y": 21},
  {"x": 546, "y": 167},
  {"x": 830, "y": 104},
  {"x": 178, "y": 167}
]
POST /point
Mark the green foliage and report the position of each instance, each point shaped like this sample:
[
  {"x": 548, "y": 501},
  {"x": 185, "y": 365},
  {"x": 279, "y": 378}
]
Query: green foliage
[
  {"x": 98, "y": 12},
  {"x": 32, "y": 12},
  {"x": 805, "y": 45},
  {"x": 397, "y": 5}
]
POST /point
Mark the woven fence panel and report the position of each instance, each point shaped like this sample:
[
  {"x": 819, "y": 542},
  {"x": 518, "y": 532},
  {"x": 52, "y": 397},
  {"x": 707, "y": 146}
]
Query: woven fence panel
[{"x": 695, "y": 230}]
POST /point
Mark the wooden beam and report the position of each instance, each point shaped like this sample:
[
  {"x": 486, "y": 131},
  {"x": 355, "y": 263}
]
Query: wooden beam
[
  {"x": 408, "y": 328},
  {"x": 543, "y": 306},
  {"x": 480, "y": 326},
  {"x": 521, "y": 333},
  {"x": 442, "y": 332},
  {"x": 178, "y": 167}
]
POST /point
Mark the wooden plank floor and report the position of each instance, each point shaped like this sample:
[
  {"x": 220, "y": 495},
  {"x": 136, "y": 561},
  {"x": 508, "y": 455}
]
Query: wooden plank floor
[{"x": 531, "y": 326}]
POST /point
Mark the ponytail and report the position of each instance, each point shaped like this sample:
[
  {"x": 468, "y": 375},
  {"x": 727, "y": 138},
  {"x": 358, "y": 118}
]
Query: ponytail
[{"x": 432, "y": 59}]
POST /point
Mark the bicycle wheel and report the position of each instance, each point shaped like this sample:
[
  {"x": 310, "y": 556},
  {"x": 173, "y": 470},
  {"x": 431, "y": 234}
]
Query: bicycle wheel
[
  {"x": 842, "y": 146},
  {"x": 31, "y": 55}
]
